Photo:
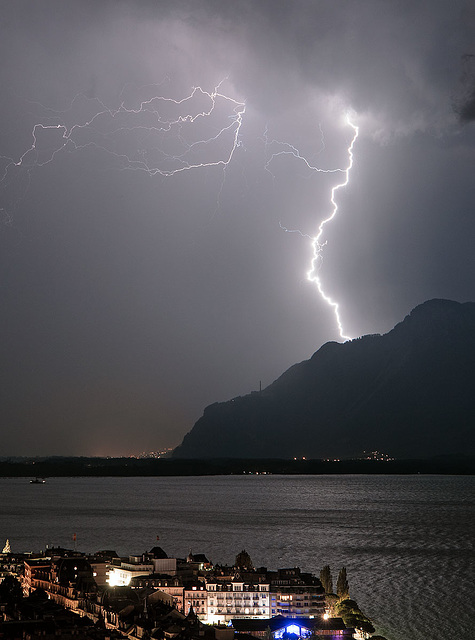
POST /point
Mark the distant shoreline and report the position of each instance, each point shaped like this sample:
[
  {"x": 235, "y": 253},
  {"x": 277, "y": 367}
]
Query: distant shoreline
[{"x": 48, "y": 467}]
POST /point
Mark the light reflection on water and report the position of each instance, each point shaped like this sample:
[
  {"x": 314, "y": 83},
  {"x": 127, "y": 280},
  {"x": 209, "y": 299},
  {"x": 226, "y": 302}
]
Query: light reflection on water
[{"x": 407, "y": 541}]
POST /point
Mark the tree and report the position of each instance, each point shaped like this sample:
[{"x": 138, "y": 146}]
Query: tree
[
  {"x": 331, "y": 601},
  {"x": 353, "y": 616},
  {"x": 10, "y": 590},
  {"x": 342, "y": 588},
  {"x": 326, "y": 579},
  {"x": 243, "y": 561}
]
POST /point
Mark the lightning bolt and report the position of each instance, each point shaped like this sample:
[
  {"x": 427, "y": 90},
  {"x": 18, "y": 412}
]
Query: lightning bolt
[
  {"x": 169, "y": 136},
  {"x": 318, "y": 245},
  {"x": 276, "y": 148},
  {"x": 108, "y": 130}
]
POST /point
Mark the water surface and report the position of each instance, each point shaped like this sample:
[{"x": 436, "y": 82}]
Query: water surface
[{"x": 406, "y": 541}]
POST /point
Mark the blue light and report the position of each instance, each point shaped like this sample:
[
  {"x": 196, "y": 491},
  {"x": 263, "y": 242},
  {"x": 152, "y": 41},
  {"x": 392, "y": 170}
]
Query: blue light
[{"x": 293, "y": 629}]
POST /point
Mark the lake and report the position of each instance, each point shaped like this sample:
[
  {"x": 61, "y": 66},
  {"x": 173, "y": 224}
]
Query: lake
[{"x": 407, "y": 541}]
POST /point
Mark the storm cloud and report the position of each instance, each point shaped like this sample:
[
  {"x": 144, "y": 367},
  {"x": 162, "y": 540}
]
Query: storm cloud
[{"x": 133, "y": 298}]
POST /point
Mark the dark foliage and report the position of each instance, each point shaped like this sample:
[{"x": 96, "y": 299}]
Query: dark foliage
[
  {"x": 243, "y": 561},
  {"x": 326, "y": 579},
  {"x": 10, "y": 590},
  {"x": 353, "y": 616},
  {"x": 342, "y": 588}
]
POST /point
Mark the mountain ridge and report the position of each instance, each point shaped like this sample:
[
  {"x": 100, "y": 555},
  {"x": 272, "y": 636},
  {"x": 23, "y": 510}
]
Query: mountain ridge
[{"x": 408, "y": 392}]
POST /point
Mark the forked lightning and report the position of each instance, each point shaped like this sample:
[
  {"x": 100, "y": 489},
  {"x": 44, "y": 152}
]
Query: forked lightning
[
  {"x": 106, "y": 129},
  {"x": 318, "y": 245}
]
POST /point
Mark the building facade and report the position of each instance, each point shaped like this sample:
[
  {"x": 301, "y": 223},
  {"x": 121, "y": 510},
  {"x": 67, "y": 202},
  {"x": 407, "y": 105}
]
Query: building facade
[{"x": 236, "y": 599}]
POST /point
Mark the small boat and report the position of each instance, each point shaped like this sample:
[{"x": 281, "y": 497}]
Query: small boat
[{"x": 38, "y": 481}]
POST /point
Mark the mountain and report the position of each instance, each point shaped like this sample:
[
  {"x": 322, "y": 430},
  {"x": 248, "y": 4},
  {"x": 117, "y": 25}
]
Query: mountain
[{"x": 409, "y": 393}]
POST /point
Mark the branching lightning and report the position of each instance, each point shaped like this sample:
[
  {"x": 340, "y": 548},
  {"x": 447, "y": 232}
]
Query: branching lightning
[
  {"x": 284, "y": 148},
  {"x": 287, "y": 149},
  {"x": 107, "y": 131},
  {"x": 318, "y": 245},
  {"x": 163, "y": 136}
]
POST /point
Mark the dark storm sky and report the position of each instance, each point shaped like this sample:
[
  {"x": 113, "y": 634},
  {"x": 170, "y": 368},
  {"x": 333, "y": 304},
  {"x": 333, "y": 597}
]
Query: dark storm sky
[{"x": 130, "y": 301}]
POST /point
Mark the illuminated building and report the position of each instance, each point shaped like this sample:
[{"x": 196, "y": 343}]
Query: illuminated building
[
  {"x": 195, "y": 597},
  {"x": 236, "y": 599},
  {"x": 11, "y": 564},
  {"x": 171, "y": 586},
  {"x": 296, "y": 594},
  {"x": 35, "y": 571},
  {"x": 198, "y": 561},
  {"x": 279, "y": 628},
  {"x": 100, "y": 571},
  {"x": 167, "y": 566},
  {"x": 65, "y": 579},
  {"x": 122, "y": 575}
]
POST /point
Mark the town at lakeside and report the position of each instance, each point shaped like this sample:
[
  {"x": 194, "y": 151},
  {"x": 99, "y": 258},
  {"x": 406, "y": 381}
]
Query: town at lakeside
[{"x": 150, "y": 595}]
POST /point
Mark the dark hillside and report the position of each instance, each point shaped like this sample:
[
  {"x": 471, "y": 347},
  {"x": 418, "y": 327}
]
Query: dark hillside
[{"x": 409, "y": 393}]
